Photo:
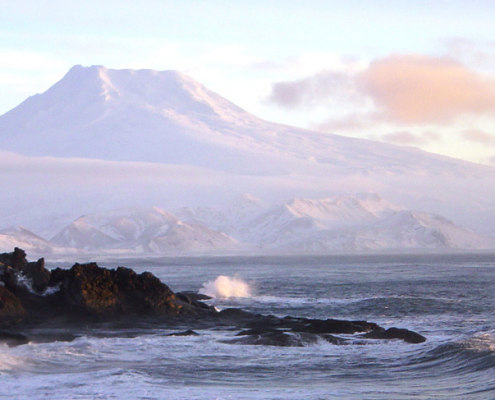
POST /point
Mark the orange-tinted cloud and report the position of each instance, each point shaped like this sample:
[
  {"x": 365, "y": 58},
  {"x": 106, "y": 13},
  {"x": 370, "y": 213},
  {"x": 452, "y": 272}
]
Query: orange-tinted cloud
[{"x": 421, "y": 89}]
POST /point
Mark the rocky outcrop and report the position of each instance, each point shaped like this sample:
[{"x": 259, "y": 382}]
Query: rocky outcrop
[
  {"x": 18, "y": 274},
  {"x": 86, "y": 294},
  {"x": 29, "y": 292},
  {"x": 290, "y": 331}
]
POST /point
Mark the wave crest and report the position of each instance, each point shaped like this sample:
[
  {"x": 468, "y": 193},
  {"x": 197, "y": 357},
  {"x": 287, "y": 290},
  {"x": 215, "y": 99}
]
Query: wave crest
[{"x": 225, "y": 286}]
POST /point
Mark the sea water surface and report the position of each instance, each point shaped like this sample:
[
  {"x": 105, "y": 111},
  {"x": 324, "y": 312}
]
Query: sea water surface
[{"x": 448, "y": 299}]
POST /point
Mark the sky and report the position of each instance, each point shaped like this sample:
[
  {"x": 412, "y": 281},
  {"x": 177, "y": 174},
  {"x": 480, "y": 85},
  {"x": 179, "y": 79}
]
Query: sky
[{"x": 416, "y": 73}]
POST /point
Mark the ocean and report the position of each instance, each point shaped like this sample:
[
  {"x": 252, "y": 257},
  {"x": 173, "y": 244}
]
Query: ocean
[{"x": 448, "y": 299}]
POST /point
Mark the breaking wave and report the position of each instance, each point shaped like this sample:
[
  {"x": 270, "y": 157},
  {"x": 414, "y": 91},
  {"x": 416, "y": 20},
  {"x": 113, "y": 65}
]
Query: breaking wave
[
  {"x": 8, "y": 361},
  {"x": 474, "y": 354},
  {"x": 225, "y": 287}
]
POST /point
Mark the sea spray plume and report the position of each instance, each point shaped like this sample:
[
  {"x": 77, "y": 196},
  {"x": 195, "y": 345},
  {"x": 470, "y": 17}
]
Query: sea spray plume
[{"x": 225, "y": 286}]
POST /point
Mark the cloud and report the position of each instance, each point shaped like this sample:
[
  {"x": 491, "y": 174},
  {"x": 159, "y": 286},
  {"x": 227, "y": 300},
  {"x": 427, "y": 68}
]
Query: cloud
[
  {"x": 421, "y": 89},
  {"x": 478, "y": 136},
  {"x": 307, "y": 92},
  {"x": 404, "y": 89}
]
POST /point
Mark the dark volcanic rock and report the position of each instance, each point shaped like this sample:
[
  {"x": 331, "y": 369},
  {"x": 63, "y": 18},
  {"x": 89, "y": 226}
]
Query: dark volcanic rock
[
  {"x": 236, "y": 316},
  {"x": 396, "y": 333},
  {"x": 92, "y": 290},
  {"x": 38, "y": 275},
  {"x": 18, "y": 274},
  {"x": 13, "y": 339},
  {"x": 11, "y": 308},
  {"x": 195, "y": 295},
  {"x": 16, "y": 259},
  {"x": 337, "y": 326},
  {"x": 28, "y": 290},
  {"x": 316, "y": 326},
  {"x": 276, "y": 338},
  {"x": 290, "y": 331},
  {"x": 334, "y": 339},
  {"x": 189, "y": 332},
  {"x": 194, "y": 300}
]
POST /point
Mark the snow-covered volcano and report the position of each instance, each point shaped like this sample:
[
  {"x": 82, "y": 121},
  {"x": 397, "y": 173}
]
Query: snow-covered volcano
[
  {"x": 103, "y": 139},
  {"x": 167, "y": 117},
  {"x": 122, "y": 115}
]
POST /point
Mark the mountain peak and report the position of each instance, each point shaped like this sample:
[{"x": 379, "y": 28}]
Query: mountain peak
[{"x": 139, "y": 87}]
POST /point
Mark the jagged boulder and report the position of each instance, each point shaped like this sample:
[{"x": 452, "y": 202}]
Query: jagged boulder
[
  {"x": 16, "y": 260},
  {"x": 38, "y": 275},
  {"x": 20, "y": 275}
]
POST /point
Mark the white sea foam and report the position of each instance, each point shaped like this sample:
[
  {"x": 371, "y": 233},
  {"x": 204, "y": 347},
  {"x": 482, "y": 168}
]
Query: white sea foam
[
  {"x": 226, "y": 286},
  {"x": 7, "y": 360},
  {"x": 481, "y": 342}
]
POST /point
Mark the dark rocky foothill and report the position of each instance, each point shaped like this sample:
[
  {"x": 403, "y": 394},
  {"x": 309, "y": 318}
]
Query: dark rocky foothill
[{"x": 63, "y": 303}]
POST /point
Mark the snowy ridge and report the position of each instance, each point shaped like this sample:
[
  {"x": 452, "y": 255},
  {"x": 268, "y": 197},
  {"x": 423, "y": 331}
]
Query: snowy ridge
[
  {"x": 141, "y": 231},
  {"x": 363, "y": 222},
  {"x": 338, "y": 224},
  {"x": 341, "y": 210}
]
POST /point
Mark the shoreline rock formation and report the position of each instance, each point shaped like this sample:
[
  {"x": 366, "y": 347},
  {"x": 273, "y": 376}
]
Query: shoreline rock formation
[{"x": 34, "y": 299}]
